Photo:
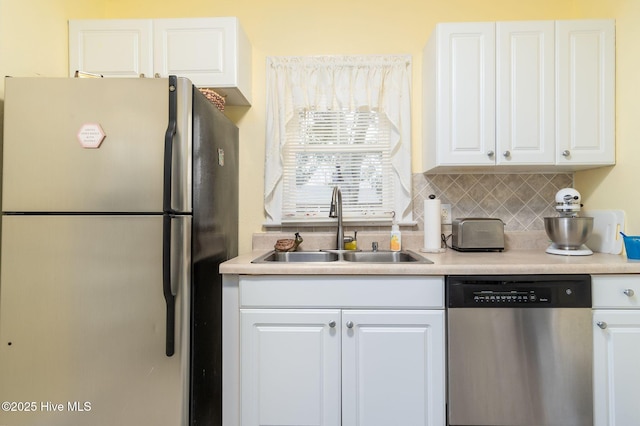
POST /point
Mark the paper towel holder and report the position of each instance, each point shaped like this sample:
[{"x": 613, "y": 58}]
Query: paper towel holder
[{"x": 432, "y": 243}]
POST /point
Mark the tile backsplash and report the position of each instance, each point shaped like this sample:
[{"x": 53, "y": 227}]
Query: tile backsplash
[{"x": 520, "y": 200}]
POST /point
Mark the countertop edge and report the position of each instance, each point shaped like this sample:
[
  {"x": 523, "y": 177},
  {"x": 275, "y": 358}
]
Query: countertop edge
[{"x": 448, "y": 263}]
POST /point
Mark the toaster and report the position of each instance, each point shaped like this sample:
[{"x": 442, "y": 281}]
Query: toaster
[{"x": 477, "y": 234}]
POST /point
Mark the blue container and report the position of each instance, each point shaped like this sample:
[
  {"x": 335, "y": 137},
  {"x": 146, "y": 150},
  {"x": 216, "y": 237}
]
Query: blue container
[{"x": 632, "y": 246}]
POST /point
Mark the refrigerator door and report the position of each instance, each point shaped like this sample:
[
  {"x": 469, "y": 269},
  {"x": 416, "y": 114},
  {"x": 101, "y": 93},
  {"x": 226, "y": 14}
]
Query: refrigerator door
[
  {"x": 82, "y": 321},
  {"x": 56, "y": 159}
]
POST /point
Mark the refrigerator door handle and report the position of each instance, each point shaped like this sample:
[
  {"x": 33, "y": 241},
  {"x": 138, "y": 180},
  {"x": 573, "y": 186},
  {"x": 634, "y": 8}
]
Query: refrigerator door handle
[
  {"x": 169, "y": 297},
  {"x": 166, "y": 219}
]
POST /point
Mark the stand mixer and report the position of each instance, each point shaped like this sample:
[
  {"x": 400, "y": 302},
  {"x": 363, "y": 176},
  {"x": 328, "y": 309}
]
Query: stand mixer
[{"x": 568, "y": 231}]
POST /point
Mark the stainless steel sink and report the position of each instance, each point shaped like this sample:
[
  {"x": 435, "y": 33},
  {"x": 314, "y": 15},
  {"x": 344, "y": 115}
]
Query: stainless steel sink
[
  {"x": 384, "y": 257},
  {"x": 404, "y": 256},
  {"x": 298, "y": 256}
]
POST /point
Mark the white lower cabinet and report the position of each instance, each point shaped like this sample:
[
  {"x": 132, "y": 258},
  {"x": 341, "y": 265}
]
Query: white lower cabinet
[
  {"x": 616, "y": 317},
  {"x": 343, "y": 366},
  {"x": 290, "y": 367},
  {"x": 392, "y": 363}
]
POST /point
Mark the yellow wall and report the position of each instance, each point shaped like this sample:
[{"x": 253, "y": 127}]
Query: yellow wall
[
  {"x": 33, "y": 42},
  {"x": 33, "y": 35},
  {"x": 616, "y": 187}
]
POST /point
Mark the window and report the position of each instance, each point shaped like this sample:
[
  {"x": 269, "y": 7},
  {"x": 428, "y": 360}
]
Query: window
[
  {"x": 338, "y": 121},
  {"x": 337, "y": 148}
]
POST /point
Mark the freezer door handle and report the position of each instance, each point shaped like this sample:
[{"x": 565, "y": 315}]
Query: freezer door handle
[
  {"x": 168, "y": 143},
  {"x": 169, "y": 297}
]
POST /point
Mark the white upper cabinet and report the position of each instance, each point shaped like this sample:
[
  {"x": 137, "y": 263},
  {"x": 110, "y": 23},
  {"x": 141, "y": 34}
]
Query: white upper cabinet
[
  {"x": 585, "y": 52},
  {"x": 519, "y": 96},
  {"x": 113, "y": 48},
  {"x": 459, "y": 95},
  {"x": 525, "y": 113},
  {"x": 211, "y": 52}
]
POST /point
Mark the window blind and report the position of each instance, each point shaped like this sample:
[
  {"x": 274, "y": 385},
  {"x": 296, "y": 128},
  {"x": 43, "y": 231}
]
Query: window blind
[{"x": 348, "y": 149}]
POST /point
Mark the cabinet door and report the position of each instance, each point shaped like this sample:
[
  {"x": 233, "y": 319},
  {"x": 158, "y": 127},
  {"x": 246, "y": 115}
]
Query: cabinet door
[
  {"x": 585, "y": 92},
  {"x": 393, "y": 368},
  {"x": 465, "y": 62},
  {"x": 112, "y": 48},
  {"x": 290, "y": 367},
  {"x": 525, "y": 86},
  {"x": 196, "y": 48},
  {"x": 616, "y": 374}
]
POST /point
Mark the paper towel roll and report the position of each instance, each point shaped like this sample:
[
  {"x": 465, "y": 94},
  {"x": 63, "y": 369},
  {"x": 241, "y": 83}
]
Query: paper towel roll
[{"x": 432, "y": 224}]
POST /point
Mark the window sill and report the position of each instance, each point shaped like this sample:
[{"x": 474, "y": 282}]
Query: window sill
[{"x": 332, "y": 223}]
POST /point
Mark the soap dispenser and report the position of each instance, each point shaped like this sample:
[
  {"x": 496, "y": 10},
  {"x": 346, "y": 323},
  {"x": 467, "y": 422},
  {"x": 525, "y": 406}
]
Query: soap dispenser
[{"x": 396, "y": 237}]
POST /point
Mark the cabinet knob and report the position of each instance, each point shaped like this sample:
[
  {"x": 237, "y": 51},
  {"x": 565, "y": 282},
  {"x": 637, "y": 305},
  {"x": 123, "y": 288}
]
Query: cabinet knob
[
  {"x": 332, "y": 324},
  {"x": 601, "y": 324},
  {"x": 506, "y": 154},
  {"x": 349, "y": 324},
  {"x": 629, "y": 292},
  {"x": 566, "y": 153},
  {"x": 490, "y": 153}
]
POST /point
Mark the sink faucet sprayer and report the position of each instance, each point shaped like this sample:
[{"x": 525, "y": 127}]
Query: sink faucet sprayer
[{"x": 335, "y": 210}]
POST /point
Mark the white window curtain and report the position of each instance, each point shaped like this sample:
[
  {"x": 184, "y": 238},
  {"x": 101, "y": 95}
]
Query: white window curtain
[{"x": 338, "y": 121}]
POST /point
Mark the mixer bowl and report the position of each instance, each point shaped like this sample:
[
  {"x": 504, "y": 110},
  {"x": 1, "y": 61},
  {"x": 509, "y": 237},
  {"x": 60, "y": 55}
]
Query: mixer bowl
[{"x": 568, "y": 233}]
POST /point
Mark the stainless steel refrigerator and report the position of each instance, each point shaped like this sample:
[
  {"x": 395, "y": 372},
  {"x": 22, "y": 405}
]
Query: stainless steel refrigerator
[{"x": 119, "y": 202}]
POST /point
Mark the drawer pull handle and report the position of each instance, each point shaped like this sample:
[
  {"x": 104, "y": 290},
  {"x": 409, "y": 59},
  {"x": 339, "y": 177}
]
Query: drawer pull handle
[
  {"x": 332, "y": 324},
  {"x": 629, "y": 292},
  {"x": 601, "y": 324},
  {"x": 349, "y": 324}
]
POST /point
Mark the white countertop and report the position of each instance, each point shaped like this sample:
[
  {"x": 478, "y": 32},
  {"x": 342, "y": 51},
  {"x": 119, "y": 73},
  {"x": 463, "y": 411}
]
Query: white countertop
[{"x": 448, "y": 263}]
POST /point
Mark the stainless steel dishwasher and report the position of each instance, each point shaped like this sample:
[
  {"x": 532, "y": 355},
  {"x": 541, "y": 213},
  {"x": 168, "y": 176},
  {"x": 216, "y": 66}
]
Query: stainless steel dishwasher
[{"x": 519, "y": 350}]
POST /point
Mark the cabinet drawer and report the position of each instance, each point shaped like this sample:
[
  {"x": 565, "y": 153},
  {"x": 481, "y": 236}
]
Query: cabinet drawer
[
  {"x": 616, "y": 291},
  {"x": 343, "y": 291}
]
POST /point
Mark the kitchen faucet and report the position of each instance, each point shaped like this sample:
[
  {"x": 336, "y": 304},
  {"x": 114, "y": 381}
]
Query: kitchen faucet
[{"x": 335, "y": 210}]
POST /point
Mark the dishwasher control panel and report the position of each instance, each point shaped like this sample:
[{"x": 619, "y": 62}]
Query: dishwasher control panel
[
  {"x": 511, "y": 297},
  {"x": 522, "y": 291}
]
